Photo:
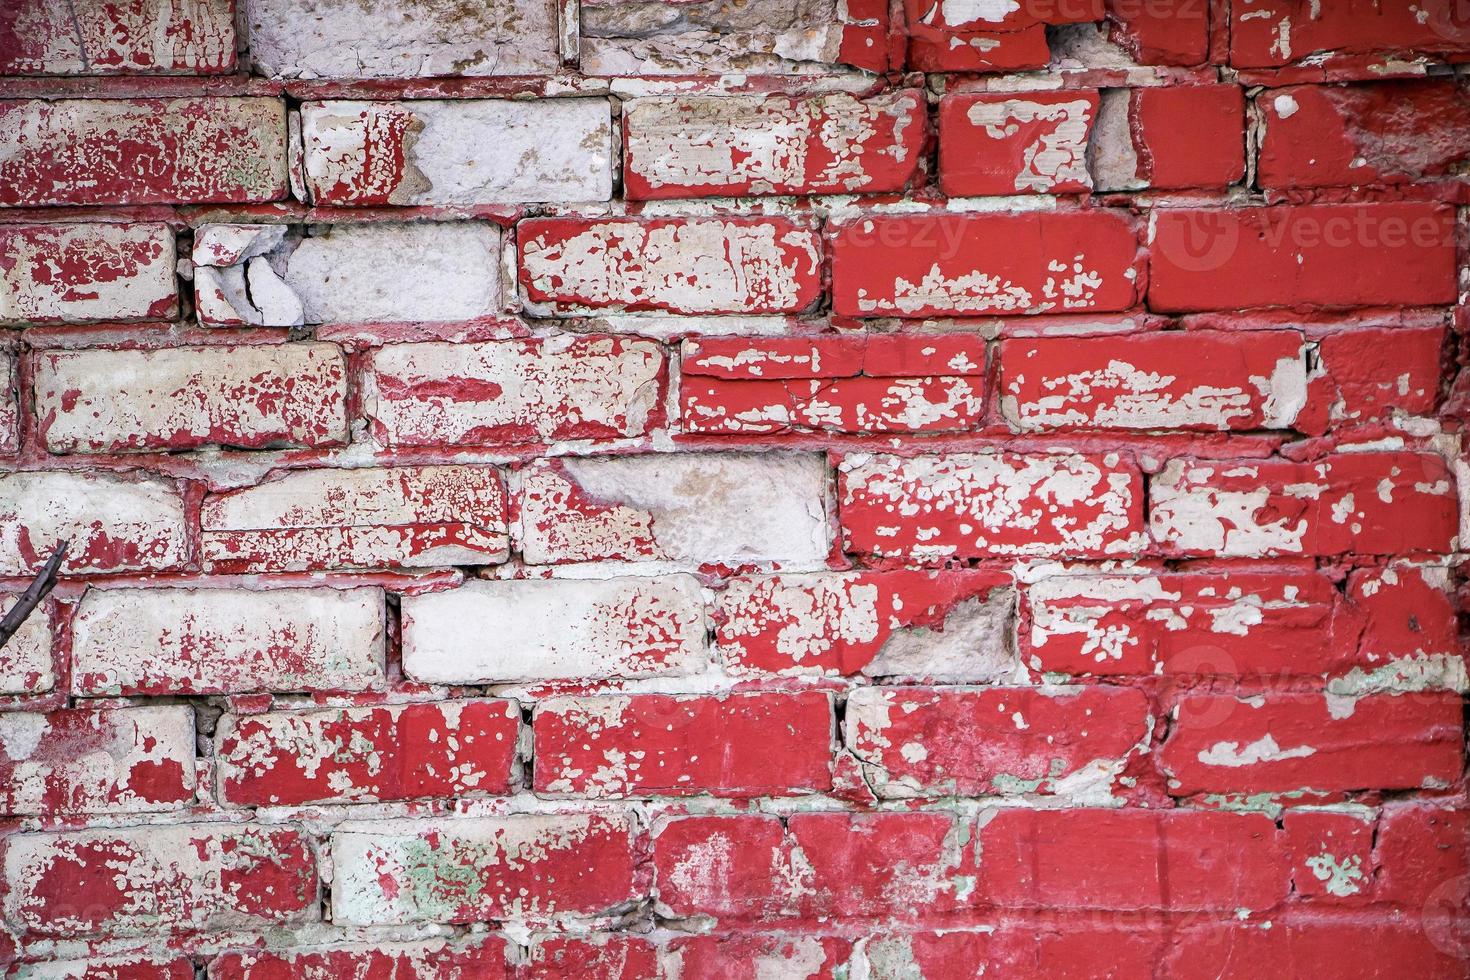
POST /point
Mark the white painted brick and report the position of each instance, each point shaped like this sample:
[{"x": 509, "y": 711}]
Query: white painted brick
[
  {"x": 699, "y": 145},
  {"x": 137, "y": 759},
  {"x": 9, "y": 404},
  {"x": 74, "y": 273},
  {"x": 410, "y": 517},
  {"x": 555, "y": 629},
  {"x": 186, "y": 397},
  {"x": 196, "y": 641},
  {"x": 689, "y": 508},
  {"x": 26, "y": 665},
  {"x": 115, "y": 523},
  {"x": 527, "y": 867},
  {"x": 559, "y": 388},
  {"x": 401, "y": 38},
  {"x": 481, "y": 151},
  {"x": 625, "y": 37},
  {"x": 419, "y": 272}
]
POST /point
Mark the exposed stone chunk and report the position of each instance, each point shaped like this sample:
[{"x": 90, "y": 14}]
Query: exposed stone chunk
[{"x": 276, "y": 276}]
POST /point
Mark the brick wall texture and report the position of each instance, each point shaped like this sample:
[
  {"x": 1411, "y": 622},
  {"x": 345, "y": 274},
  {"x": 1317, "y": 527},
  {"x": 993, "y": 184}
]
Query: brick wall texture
[{"x": 773, "y": 489}]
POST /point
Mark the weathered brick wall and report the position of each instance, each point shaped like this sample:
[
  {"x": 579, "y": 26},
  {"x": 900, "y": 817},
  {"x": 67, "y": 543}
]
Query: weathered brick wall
[{"x": 767, "y": 489}]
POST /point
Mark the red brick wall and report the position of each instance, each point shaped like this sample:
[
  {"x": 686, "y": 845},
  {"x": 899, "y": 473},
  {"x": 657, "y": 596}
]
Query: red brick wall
[{"x": 779, "y": 489}]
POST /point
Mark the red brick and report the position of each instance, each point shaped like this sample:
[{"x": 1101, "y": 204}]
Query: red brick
[
  {"x": 669, "y": 745},
  {"x": 951, "y": 264},
  {"x": 86, "y": 760},
  {"x": 905, "y": 355},
  {"x": 1329, "y": 255},
  {"x": 956, "y": 741},
  {"x": 194, "y": 876},
  {"x": 950, "y": 955},
  {"x": 845, "y": 405},
  {"x": 1389, "y": 132},
  {"x": 74, "y": 273},
  {"x": 151, "y": 36},
  {"x": 1167, "y": 380},
  {"x": 1161, "y": 33},
  {"x": 881, "y": 383},
  {"x": 1349, "y": 503},
  {"x": 778, "y": 358},
  {"x": 435, "y": 959},
  {"x": 1332, "y": 854},
  {"x": 1278, "y": 32},
  {"x": 1423, "y": 856},
  {"x": 1409, "y": 614},
  {"x": 1286, "y": 742},
  {"x": 529, "y": 867},
  {"x": 900, "y": 865},
  {"x": 763, "y": 955},
  {"x": 938, "y": 51},
  {"x": 1175, "y": 860},
  {"x": 1015, "y": 143},
  {"x": 608, "y": 956},
  {"x": 409, "y": 516},
  {"x": 114, "y": 522},
  {"x": 965, "y": 505},
  {"x": 1372, "y": 371},
  {"x": 945, "y": 625},
  {"x": 187, "y": 397},
  {"x": 431, "y": 394},
  {"x": 980, "y": 38},
  {"x": 901, "y": 355},
  {"x": 143, "y": 151},
  {"x": 704, "y": 146},
  {"x": 1189, "y": 135},
  {"x": 682, "y": 265},
  {"x": 1298, "y": 945},
  {"x": 391, "y": 752},
  {"x": 1242, "y": 623}
]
